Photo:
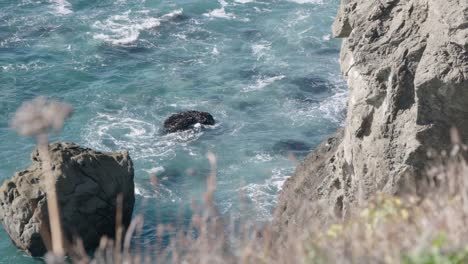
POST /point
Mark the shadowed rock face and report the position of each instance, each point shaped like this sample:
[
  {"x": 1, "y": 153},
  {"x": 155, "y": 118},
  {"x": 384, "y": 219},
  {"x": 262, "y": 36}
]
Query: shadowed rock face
[
  {"x": 186, "y": 120},
  {"x": 87, "y": 183},
  {"x": 406, "y": 65}
]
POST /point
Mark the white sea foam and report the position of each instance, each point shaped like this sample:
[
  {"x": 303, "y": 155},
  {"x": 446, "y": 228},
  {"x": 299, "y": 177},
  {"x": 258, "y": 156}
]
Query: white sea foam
[
  {"x": 215, "y": 51},
  {"x": 156, "y": 170},
  {"x": 239, "y": 126},
  {"x": 13, "y": 40},
  {"x": 122, "y": 30},
  {"x": 334, "y": 107},
  {"x": 61, "y": 7},
  {"x": 174, "y": 14},
  {"x": 140, "y": 191},
  {"x": 263, "y": 157},
  {"x": 331, "y": 108},
  {"x": 262, "y": 10},
  {"x": 110, "y": 132},
  {"x": 220, "y": 12},
  {"x": 260, "y": 49},
  {"x": 125, "y": 29},
  {"x": 161, "y": 192},
  {"x": 31, "y": 66},
  {"x": 263, "y": 82},
  {"x": 263, "y": 195},
  {"x": 326, "y": 37}
]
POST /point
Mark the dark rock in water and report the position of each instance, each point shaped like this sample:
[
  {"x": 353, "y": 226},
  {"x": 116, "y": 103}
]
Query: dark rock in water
[
  {"x": 327, "y": 51},
  {"x": 291, "y": 146},
  {"x": 246, "y": 105},
  {"x": 251, "y": 34},
  {"x": 312, "y": 84},
  {"x": 305, "y": 99},
  {"x": 132, "y": 49},
  {"x": 249, "y": 73},
  {"x": 178, "y": 17},
  {"x": 87, "y": 183},
  {"x": 198, "y": 35},
  {"x": 186, "y": 120}
]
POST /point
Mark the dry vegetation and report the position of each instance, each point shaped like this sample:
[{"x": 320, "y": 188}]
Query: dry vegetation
[{"x": 411, "y": 229}]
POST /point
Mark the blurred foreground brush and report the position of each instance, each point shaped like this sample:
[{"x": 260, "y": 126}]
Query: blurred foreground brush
[{"x": 35, "y": 119}]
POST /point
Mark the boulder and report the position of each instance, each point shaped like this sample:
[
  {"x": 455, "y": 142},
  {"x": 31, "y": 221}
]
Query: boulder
[
  {"x": 88, "y": 184},
  {"x": 187, "y": 120},
  {"x": 406, "y": 66}
]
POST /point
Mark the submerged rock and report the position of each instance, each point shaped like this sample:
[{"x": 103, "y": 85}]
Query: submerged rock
[
  {"x": 312, "y": 85},
  {"x": 287, "y": 146},
  {"x": 246, "y": 105},
  {"x": 187, "y": 120},
  {"x": 406, "y": 65},
  {"x": 87, "y": 182}
]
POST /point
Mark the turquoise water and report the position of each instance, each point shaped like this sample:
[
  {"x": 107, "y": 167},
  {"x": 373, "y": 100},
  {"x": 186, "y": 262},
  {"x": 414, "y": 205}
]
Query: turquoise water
[{"x": 268, "y": 71}]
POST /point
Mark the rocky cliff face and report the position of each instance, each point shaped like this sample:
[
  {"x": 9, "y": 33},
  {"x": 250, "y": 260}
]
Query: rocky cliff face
[
  {"x": 406, "y": 65},
  {"x": 87, "y": 182}
]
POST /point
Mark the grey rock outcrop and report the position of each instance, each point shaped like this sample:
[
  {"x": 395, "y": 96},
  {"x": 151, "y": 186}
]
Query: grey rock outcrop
[
  {"x": 406, "y": 65},
  {"x": 186, "y": 120},
  {"x": 87, "y": 182}
]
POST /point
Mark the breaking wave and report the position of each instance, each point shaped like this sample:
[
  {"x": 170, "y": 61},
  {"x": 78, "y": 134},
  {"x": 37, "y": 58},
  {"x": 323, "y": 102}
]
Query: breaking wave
[{"x": 125, "y": 29}]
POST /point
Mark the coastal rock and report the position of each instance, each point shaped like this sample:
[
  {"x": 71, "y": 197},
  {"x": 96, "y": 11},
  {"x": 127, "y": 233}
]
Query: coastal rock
[
  {"x": 186, "y": 120},
  {"x": 87, "y": 182},
  {"x": 406, "y": 66}
]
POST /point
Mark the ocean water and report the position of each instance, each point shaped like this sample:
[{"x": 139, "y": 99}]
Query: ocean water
[{"x": 268, "y": 71}]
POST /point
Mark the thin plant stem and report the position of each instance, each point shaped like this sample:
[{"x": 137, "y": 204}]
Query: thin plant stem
[{"x": 52, "y": 201}]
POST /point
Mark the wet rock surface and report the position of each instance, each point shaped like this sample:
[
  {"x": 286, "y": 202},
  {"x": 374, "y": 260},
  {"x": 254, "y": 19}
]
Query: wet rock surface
[{"x": 187, "y": 120}]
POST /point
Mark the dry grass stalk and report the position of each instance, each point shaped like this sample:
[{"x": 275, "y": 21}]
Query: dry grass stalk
[{"x": 35, "y": 119}]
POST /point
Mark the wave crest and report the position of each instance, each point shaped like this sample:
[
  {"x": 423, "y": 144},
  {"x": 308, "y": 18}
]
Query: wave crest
[{"x": 125, "y": 29}]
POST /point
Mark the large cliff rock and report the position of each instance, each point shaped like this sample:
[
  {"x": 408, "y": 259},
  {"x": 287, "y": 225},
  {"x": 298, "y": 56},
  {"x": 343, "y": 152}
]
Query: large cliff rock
[
  {"x": 87, "y": 183},
  {"x": 406, "y": 65}
]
